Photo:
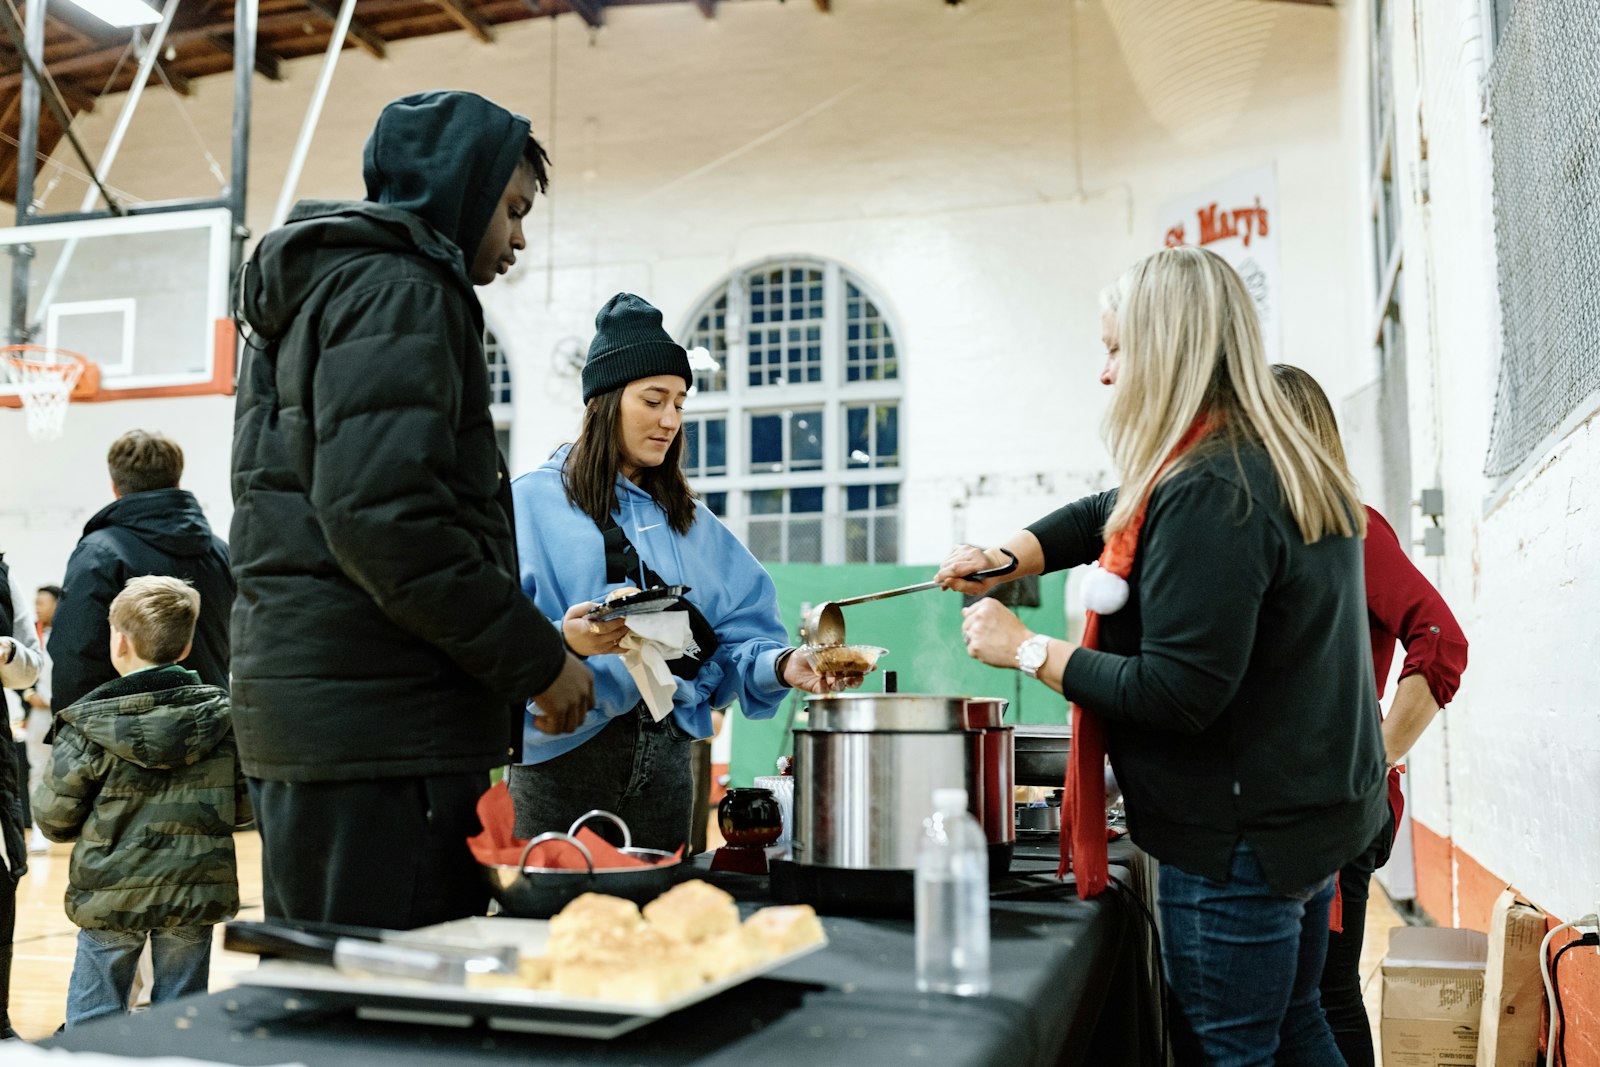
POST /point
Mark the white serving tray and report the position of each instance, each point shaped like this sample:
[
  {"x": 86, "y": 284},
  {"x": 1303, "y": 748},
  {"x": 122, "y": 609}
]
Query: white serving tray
[{"x": 528, "y": 1010}]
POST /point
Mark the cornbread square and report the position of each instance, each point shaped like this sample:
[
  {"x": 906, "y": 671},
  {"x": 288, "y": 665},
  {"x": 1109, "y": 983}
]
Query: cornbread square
[
  {"x": 729, "y": 952},
  {"x": 645, "y": 968},
  {"x": 786, "y": 928},
  {"x": 594, "y": 924},
  {"x": 692, "y": 912}
]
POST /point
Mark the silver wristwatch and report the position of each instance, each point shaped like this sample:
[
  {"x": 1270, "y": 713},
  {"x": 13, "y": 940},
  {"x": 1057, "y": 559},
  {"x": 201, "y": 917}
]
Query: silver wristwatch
[{"x": 1031, "y": 654}]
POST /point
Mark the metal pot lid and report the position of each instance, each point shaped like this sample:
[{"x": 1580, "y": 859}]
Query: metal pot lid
[{"x": 902, "y": 713}]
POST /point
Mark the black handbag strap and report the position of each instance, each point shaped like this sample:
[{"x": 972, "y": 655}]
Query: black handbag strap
[
  {"x": 622, "y": 559},
  {"x": 623, "y": 564}
]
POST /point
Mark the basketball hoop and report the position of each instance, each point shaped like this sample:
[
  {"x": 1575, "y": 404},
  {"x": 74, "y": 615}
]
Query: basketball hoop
[{"x": 46, "y": 379}]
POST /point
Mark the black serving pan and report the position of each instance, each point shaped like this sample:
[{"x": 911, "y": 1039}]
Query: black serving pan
[{"x": 1041, "y": 754}]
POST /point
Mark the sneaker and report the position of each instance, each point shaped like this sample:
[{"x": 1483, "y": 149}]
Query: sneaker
[{"x": 37, "y": 842}]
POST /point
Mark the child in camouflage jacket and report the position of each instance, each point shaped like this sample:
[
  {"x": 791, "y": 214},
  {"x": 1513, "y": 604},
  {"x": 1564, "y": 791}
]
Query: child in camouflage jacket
[{"x": 145, "y": 777}]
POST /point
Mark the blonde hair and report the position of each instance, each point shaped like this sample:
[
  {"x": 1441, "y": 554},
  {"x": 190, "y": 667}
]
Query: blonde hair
[
  {"x": 158, "y": 615},
  {"x": 1311, "y": 405},
  {"x": 1191, "y": 345}
]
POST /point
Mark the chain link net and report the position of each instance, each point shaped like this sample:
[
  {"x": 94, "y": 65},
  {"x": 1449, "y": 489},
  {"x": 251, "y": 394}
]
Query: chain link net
[{"x": 1544, "y": 109}]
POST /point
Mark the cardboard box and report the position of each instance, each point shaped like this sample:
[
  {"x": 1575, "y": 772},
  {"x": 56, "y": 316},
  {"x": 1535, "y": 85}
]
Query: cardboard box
[
  {"x": 1432, "y": 996},
  {"x": 1512, "y": 990}
]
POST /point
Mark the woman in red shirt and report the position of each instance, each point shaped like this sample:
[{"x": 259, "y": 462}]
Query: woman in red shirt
[{"x": 1401, "y": 606}]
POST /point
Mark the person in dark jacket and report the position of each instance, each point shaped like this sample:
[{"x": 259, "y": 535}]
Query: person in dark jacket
[
  {"x": 382, "y": 637},
  {"x": 153, "y": 527},
  {"x": 1402, "y": 607},
  {"x": 19, "y": 667},
  {"x": 1230, "y": 673}
]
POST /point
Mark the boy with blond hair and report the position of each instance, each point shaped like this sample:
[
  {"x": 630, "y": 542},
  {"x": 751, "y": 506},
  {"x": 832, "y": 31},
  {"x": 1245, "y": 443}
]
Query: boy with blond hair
[{"x": 145, "y": 777}]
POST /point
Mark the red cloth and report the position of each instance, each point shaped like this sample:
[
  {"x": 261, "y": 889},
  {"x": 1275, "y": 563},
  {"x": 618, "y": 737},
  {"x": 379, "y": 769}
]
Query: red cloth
[
  {"x": 497, "y": 845},
  {"x": 1403, "y": 606},
  {"x": 1083, "y": 805}
]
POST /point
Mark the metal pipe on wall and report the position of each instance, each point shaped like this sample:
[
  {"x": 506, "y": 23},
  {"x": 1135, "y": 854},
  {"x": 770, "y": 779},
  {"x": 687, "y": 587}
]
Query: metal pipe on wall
[
  {"x": 245, "y": 15},
  {"x": 27, "y": 167}
]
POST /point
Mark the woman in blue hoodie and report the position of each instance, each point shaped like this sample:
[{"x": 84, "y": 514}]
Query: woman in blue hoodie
[{"x": 611, "y": 512}]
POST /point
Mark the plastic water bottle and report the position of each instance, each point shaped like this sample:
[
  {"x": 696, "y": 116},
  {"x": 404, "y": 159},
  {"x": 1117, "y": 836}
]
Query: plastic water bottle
[{"x": 952, "y": 899}]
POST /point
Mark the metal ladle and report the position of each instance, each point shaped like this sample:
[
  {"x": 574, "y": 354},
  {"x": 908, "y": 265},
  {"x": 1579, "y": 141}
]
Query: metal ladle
[{"x": 824, "y": 624}]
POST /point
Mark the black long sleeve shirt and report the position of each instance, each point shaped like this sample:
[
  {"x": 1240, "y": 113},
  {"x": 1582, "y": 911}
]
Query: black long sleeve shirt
[{"x": 1236, "y": 684}]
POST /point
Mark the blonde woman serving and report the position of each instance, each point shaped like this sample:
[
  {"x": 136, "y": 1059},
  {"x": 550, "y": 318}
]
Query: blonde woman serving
[{"x": 1225, "y": 667}]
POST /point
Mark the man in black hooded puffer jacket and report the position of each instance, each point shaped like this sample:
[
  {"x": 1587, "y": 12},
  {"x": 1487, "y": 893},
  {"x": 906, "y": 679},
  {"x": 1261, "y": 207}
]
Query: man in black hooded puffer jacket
[{"x": 380, "y": 633}]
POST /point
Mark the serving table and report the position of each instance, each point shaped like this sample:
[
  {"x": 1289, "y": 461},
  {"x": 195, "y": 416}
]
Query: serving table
[{"x": 1072, "y": 984}]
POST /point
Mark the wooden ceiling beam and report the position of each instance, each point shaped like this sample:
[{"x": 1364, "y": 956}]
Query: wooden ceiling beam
[
  {"x": 591, "y": 11},
  {"x": 174, "y": 77},
  {"x": 365, "y": 37},
  {"x": 268, "y": 62},
  {"x": 467, "y": 20}
]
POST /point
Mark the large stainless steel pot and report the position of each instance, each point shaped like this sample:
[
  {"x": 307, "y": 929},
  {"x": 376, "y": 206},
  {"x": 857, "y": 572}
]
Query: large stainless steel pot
[{"x": 866, "y": 766}]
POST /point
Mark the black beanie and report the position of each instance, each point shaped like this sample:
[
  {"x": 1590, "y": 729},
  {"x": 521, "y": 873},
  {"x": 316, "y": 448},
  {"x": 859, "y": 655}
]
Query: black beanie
[{"x": 630, "y": 343}]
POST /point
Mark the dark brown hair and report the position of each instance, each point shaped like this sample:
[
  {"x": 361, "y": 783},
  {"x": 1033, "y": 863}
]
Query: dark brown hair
[
  {"x": 596, "y": 460},
  {"x": 142, "y": 461}
]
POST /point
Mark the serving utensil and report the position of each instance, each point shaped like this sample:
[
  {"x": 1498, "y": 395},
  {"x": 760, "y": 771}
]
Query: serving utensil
[{"x": 825, "y": 622}]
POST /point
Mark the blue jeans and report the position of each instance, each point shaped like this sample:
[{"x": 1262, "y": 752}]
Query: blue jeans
[
  {"x": 102, "y": 973},
  {"x": 1244, "y": 963}
]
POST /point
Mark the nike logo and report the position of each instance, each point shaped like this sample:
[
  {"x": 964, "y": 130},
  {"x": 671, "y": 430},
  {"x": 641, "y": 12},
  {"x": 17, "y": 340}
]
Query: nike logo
[{"x": 642, "y": 529}]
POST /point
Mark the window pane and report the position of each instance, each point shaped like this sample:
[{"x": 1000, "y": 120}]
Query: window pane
[
  {"x": 857, "y": 541},
  {"x": 886, "y": 539},
  {"x": 805, "y": 500},
  {"x": 805, "y": 541},
  {"x": 766, "y": 502},
  {"x": 765, "y": 540},
  {"x": 805, "y": 441},
  {"x": 857, "y": 441},
  {"x": 888, "y": 496},
  {"x": 691, "y": 446},
  {"x": 858, "y": 498},
  {"x": 766, "y": 442},
  {"x": 717, "y": 504},
  {"x": 715, "y": 447},
  {"x": 888, "y": 443}
]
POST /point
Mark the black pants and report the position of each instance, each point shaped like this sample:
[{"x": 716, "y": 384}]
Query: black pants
[
  {"x": 1341, "y": 971},
  {"x": 24, "y": 769},
  {"x": 8, "y": 929},
  {"x": 386, "y": 852},
  {"x": 635, "y": 768}
]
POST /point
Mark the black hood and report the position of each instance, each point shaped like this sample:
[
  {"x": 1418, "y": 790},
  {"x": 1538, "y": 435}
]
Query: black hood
[
  {"x": 169, "y": 520},
  {"x": 320, "y": 236},
  {"x": 445, "y": 157}
]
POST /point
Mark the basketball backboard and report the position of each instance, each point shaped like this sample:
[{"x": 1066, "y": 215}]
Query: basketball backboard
[{"x": 145, "y": 297}]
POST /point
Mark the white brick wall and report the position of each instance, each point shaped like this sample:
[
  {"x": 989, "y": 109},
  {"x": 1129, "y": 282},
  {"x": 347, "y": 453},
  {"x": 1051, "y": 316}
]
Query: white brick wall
[{"x": 1513, "y": 772}]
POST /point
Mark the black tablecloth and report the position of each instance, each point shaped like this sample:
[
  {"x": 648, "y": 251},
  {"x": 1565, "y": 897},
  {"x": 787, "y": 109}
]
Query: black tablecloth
[{"x": 1070, "y": 986}]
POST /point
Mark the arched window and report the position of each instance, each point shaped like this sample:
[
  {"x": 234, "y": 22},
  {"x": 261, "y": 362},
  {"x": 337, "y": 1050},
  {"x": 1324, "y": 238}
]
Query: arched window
[
  {"x": 499, "y": 389},
  {"x": 792, "y": 435}
]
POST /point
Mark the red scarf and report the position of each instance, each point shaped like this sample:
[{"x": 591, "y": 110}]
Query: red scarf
[{"x": 1083, "y": 806}]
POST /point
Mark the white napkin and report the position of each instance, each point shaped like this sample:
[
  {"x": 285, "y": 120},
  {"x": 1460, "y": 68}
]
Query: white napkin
[{"x": 651, "y": 640}]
